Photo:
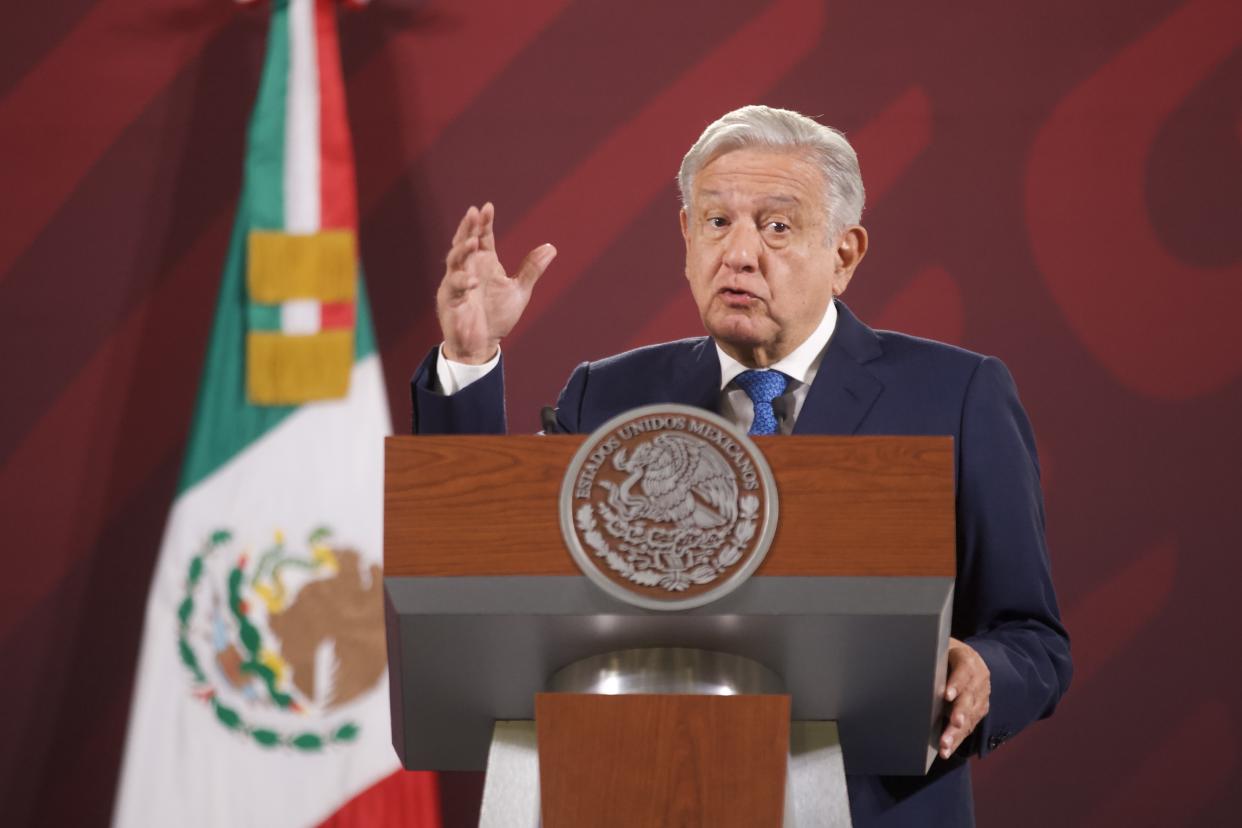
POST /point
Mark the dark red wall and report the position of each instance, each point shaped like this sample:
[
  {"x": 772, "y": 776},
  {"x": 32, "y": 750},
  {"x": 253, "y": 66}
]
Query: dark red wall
[{"x": 1056, "y": 183}]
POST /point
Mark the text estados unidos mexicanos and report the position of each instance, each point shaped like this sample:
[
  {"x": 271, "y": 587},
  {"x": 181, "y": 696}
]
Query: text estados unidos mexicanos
[{"x": 745, "y": 468}]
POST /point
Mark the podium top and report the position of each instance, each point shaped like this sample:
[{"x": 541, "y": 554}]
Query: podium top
[{"x": 850, "y": 506}]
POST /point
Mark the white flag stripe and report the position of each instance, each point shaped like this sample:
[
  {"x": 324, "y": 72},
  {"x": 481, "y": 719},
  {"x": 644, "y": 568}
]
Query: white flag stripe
[
  {"x": 300, "y": 317},
  {"x": 302, "y": 209}
]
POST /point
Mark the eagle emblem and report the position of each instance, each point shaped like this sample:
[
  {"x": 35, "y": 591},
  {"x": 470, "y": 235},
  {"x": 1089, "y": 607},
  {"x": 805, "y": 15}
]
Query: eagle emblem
[{"x": 669, "y": 500}]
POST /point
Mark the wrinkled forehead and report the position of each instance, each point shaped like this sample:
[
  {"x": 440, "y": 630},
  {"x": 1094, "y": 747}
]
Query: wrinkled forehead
[{"x": 782, "y": 175}]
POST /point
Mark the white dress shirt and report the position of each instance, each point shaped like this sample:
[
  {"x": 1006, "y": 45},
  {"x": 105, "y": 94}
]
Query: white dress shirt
[
  {"x": 454, "y": 376},
  {"x": 800, "y": 365}
]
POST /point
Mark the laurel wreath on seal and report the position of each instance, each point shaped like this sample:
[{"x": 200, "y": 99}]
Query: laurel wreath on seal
[
  {"x": 251, "y": 638},
  {"x": 637, "y": 569}
]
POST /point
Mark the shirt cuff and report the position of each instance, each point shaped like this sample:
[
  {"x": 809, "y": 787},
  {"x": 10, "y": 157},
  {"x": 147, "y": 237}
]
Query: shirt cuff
[{"x": 454, "y": 376}]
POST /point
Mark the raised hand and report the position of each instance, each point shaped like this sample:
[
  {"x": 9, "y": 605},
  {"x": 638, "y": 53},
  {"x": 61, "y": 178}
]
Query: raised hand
[{"x": 478, "y": 303}]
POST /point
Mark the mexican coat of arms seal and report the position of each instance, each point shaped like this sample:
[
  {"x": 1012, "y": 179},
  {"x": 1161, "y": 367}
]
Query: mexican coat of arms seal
[{"x": 668, "y": 507}]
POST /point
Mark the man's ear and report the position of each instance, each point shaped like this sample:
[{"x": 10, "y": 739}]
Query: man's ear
[
  {"x": 685, "y": 226},
  {"x": 851, "y": 248}
]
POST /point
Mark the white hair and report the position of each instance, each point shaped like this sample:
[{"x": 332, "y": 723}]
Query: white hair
[{"x": 765, "y": 127}]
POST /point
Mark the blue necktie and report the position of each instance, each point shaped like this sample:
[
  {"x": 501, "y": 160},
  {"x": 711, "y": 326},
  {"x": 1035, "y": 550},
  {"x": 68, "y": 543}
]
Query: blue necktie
[{"x": 762, "y": 387}]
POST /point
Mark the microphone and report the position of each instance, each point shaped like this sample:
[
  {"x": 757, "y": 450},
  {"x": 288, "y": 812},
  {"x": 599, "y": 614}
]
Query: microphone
[{"x": 547, "y": 418}]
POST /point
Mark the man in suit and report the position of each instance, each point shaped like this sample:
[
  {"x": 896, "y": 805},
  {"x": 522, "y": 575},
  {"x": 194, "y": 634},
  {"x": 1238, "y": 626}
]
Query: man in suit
[{"x": 771, "y": 208}]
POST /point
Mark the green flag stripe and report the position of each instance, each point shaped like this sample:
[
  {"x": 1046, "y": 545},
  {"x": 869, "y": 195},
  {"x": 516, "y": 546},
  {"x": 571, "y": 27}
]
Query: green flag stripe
[
  {"x": 263, "y": 193},
  {"x": 263, "y": 317},
  {"x": 364, "y": 337}
]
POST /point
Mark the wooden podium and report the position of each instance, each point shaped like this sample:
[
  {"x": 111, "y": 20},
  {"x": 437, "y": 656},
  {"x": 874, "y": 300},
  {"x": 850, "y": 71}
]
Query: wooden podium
[{"x": 848, "y": 615}]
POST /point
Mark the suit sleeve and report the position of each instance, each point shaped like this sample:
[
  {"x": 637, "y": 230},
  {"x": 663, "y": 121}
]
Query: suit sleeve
[
  {"x": 1005, "y": 606},
  {"x": 569, "y": 403},
  {"x": 479, "y": 408}
]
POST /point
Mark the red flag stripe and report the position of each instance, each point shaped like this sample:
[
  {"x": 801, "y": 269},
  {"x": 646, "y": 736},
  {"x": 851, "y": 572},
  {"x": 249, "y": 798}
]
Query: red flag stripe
[
  {"x": 336, "y": 315},
  {"x": 337, "y": 197},
  {"x": 407, "y": 798}
]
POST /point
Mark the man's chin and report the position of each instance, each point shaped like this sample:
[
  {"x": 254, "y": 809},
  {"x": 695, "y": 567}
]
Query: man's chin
[{"x": 737, "y": 330}]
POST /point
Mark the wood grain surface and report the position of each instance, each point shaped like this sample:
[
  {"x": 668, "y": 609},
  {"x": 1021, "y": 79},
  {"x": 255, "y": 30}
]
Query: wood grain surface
[
  {"x": 486, "y": 505},
  {"x": 662, "y": 760}
]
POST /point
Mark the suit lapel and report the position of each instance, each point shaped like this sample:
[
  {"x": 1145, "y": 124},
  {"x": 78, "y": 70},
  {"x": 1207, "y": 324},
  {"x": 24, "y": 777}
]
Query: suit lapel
[
  {"x": 698, "y": 383},
  {"x": 844, "y": 389}
]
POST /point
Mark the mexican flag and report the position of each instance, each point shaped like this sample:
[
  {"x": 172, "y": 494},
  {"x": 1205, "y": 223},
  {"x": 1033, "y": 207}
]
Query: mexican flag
[{"x": 261, "y": 695}]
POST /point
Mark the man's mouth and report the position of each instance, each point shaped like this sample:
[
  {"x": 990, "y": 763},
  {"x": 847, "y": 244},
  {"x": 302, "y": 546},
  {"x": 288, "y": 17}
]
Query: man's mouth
[{"x": 736, "y": 297}]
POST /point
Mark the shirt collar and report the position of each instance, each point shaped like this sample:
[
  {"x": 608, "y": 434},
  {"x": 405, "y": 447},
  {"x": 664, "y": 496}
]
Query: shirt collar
[{"x": 800, "y": 364}]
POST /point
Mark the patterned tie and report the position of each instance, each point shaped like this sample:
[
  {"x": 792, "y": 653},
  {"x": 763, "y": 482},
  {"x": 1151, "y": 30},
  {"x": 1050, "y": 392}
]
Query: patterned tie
[{"x": 762, "y": 387}]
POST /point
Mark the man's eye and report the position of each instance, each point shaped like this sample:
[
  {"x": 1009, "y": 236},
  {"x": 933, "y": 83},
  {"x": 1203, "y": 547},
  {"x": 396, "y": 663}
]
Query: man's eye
[
  {"x": 717, "y": 221},
  {"x": 778, "y": 226}
]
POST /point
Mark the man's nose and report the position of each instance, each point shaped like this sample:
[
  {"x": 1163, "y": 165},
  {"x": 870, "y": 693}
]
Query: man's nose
[{"x": 742, "y": 249}]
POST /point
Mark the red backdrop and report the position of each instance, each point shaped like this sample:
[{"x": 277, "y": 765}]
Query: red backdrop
[{"x": 1056, "y": 184}]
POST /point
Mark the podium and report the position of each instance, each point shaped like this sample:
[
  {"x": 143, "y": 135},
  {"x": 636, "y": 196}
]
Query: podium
[{"x": 742, "y": 711}]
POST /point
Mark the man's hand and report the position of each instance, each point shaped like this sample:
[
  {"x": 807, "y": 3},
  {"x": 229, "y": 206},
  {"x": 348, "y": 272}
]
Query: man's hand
[
  {"x": 967, "y": 691},
  {"x": 478, "y": 303}
]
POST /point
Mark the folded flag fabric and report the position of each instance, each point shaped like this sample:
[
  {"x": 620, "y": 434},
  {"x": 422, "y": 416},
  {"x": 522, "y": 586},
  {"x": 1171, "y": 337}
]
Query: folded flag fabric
[{"x": 261, "y": 693}]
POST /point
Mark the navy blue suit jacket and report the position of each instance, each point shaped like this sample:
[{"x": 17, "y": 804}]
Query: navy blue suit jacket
[{"x": 880, "y": 383}]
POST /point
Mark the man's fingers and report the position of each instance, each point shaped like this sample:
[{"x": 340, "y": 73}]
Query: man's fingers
[
  {"x": 966, "y": 681},
  {"x": 465, "y": 227},
  {"x": 458, "y": 254},
  {"x": 959, "y": 726},
  {"x": 457, "y": 283},
  {"x": 486, "y": 232},
  {"x": 967, "y": 672},
  {"x": 971, "y": 700},
  {"x": 951, "y": 739},
  {"x": 535, "y": 263},
  {"x": 962, "y": 718}
]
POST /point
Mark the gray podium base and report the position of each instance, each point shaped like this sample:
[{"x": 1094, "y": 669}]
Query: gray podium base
[{"x": 815, "y": 794}]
